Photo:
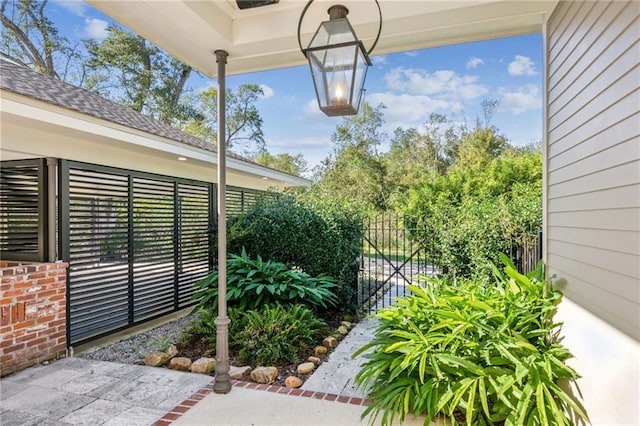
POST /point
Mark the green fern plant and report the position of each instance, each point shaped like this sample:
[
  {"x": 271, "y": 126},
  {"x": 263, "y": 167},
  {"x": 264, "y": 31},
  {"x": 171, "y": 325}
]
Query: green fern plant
[
  {"x": 484, "y": 354},
  {"x": 274, "y": 334}
]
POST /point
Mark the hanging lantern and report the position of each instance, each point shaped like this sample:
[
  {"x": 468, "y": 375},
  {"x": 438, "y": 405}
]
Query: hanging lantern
[{"x": 338, "y": 63}]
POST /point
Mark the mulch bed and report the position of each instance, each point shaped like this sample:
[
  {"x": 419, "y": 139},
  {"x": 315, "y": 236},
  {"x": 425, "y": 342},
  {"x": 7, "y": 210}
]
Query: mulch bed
[{"x": 201, "y": 348}]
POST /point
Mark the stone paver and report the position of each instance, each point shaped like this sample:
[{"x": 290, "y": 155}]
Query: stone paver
[
  {"x": 98, "y": 412},
  {"x": 336, "y": 376},
  {"x": 77, "y": 391},
  {"x": 136, "y": 416}
]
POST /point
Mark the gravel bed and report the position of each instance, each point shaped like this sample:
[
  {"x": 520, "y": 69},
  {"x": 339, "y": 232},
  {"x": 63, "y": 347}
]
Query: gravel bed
[{"x": 133, "y": 349}]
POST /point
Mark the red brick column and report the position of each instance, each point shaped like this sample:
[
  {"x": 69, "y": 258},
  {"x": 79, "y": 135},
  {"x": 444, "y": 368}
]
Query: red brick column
[{"x": 33, "y": 310}]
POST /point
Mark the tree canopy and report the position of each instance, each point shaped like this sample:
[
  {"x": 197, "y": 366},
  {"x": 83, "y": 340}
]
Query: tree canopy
[
  {"x": 469, "y": 189},
  {"x": 128, "y": 69},
  {"x": 31, "y": 39},
  {"x": 293, "y": 164},
  {"x": 243, "y": 121}
]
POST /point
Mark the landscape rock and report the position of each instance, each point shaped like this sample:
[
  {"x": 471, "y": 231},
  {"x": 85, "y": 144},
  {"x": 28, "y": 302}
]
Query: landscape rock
[
  {"x": 320, "y": 350},
  {"x": 306, "y": 368},
  {"x": 239, "y": 372},
  {"x": 156, "y": 359},
  {"x": 264, "y": 375},
  {"x": 180, "y": 363},
  {"x": 203, "y": 365},
  {"x": 330, "y": 342},
  {"x": 292, "y": 382},
  {"x": 172, "y": 351},
  {"x": 346, "y": 324},
  {"x": 348, "y": 318},
  {"x": 315, "y": 360},
  {"x": 343, "y": 330}
]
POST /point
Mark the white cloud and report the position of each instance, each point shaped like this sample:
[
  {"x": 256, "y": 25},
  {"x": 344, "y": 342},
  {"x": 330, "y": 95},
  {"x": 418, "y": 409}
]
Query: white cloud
[
  {"x": 300, "y": 144},
  {"x": 522, "y": 99},
  {"x": 379, "y": 60},
  {"x": 267, "y": 91},
  {"x": 96, "y": 28},
  {"x": 411, "y": 53},
  {"x": 443, "y": 83},
  {"x": 77, "y": 7},
  {"x": 522, "y": 65},
  {"x": 312, "y": 110},
  {"x": 313, "y": 149},
  {"x": 408, "y": 110},
  {"x": 474, "y": 62}
]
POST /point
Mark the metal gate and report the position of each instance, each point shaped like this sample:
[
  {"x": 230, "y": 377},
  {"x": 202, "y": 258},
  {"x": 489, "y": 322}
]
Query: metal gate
[{"x": 395, "y": 252}]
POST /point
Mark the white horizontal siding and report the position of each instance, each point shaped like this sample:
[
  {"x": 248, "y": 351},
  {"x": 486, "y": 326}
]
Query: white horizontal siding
[
  {"x": 602, "y": 160},
  {"x": 624, "y": 108},
  {"x": 580, "y": 53},
  {"x": 592, "y": 190},
  {"x": 597, "y": 143},
  {"x": 615, "y": 262},
  {"x": 599, "y": 180},
  {"x": 614, "y": 220},
  {"x": 609, "y": 198},
  {"x": 595, "y": 79},
  {"x": 613, "y": 240},
  {"x": 625, "y": 316}
]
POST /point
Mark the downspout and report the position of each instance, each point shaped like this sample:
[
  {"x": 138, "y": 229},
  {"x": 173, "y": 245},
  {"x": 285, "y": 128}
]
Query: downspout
[{"x": 223, "y": 381}]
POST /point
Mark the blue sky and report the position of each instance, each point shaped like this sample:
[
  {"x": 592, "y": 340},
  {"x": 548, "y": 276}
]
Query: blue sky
[{"x": 451, "y": 80}]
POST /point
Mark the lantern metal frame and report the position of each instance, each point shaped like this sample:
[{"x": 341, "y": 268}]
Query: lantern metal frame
[{"x": 360, "y": 55}]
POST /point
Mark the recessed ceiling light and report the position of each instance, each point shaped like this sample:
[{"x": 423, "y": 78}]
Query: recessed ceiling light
[{"x": 182, "y": 158}]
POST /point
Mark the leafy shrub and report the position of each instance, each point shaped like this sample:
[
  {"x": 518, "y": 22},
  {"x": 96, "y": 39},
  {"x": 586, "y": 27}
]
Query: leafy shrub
[
  {"x": 275, "y": 335},
  {"x": 203, "y": 327},
  {"x": 474, "y": 214},
  {"x": 254, "y": 283},
  {"x": 485, "y": 354},
  {"x": 309, "y": 235}
]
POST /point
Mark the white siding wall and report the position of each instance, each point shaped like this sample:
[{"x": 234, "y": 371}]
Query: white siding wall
[
  {"x": 592, "y": 197},
  {"x": 593, "y": 157}
]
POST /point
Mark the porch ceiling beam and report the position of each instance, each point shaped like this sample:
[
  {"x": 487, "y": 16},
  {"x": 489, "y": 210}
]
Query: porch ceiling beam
[{"x": 266, "y": 38}]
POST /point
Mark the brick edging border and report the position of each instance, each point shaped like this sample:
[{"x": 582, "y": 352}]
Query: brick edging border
[{"x": 188, "y": 403}]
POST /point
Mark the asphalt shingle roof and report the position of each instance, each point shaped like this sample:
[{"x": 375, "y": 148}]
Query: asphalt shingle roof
[{"x": 24, "y": 81}]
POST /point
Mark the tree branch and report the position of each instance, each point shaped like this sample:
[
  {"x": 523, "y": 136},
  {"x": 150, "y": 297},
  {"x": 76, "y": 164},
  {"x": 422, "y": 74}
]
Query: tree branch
[{"x": 29, "y": 48}]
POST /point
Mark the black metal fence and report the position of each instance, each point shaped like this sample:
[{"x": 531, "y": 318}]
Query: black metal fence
[
  {"x": 136, "y": 242},
  {"x": 240, "y": 199},
  {"x": 527, "y": 253},
  {"x": 395, "y": 253},
  {"x": 23, "y": 210}
]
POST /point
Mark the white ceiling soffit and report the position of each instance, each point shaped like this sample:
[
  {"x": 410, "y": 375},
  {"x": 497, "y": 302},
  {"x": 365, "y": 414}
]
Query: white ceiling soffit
[{"x": 265, "y": 38}]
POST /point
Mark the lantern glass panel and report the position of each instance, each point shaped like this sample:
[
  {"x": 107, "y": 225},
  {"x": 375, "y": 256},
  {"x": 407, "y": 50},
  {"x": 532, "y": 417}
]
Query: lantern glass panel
[
  {"x": 333, "y": 32},
  {"x": 333, "y": 74},
  {"x": 360, "y": 74},
  {"x": 338, "y": 65}
]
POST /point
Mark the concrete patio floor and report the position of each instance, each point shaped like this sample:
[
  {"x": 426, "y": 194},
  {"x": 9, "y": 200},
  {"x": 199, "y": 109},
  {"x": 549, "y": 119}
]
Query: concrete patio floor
[
  {"x": 78, "y": 391},
  {"x": 258, "y": 407}
]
